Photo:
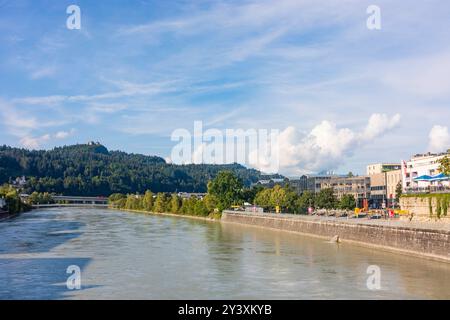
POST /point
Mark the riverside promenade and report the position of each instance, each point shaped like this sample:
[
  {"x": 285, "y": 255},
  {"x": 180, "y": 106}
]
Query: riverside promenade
[{"x": 429, "y": 239}]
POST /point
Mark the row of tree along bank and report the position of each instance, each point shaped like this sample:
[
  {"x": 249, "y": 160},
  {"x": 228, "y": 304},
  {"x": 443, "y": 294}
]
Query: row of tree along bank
[
  {"x": 227, "y": 191},
  {"x": 12, "y": 202}
]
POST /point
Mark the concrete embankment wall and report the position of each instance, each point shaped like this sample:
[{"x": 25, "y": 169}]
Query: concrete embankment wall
[
  {"x": 433, "y": 244},
  {"x": 421, "y": 206}
]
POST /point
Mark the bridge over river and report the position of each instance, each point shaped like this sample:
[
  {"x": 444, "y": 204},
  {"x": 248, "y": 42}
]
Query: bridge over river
[{"x": 72, "y": 201}]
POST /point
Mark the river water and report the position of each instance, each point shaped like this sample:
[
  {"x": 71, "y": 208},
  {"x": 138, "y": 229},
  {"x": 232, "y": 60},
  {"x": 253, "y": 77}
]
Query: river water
[{"x": 125, "y": 255}]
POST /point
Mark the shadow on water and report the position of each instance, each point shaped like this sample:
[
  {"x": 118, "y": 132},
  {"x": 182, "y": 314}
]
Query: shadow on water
[
  {"x": 39, "y": 278},
  {"x": 32, "y": 234}
]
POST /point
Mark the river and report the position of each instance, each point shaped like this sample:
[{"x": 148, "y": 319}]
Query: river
[{"x": 124, "y": 255}]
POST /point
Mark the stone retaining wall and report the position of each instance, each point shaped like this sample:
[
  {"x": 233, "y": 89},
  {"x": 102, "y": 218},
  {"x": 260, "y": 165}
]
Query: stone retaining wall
[
  {"x": 420, "y": 207},
  {"x": 434, "y": 244}
]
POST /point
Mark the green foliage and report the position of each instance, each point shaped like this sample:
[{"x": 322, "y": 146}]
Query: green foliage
[
  {"x": 13, "y": 202},
  {"x": 175, "y": 204},
  {"x": 147, "y": 201},
  {"x": 263, "y": 199},
  {"x": 430, "y": 206},
  {"x": 92, "y": 170},
  {"x": 226, "y": 188},
  {"x": 306, "y": 200},
  {"x": 40, "y": 198},
  {"x": 160, "y": 203},
  {"x": 444, "y": 165},
  {"x": 347, "y": 202},
  {"x": 398, "y": 192},
  {"x": 200, "y": 209},
  {"x": 133, "y": 202},
  {"x": 326, "y": 199}
]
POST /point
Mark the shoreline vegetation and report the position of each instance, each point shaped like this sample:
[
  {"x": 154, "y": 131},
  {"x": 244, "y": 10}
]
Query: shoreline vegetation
[
  {"x": 227, "y": 191},
  {"x": 14, "y": 205}
]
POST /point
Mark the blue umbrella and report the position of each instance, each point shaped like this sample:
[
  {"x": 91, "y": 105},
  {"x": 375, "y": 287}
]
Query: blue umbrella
[
  {"x": 423, "y": 178},
  {"x": 439, "y": 177}
]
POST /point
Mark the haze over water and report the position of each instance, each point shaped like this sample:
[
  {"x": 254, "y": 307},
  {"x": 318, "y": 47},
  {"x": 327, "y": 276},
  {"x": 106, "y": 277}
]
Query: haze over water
[{"x": 134, "y": 256}]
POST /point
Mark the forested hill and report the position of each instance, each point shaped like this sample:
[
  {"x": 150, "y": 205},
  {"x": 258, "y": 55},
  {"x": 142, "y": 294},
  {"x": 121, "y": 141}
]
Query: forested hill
[{"x": 90, "y": 169}]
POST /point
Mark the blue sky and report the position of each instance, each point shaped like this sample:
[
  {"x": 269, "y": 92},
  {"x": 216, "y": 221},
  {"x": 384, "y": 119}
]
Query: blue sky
[{"x": 342, "y": 95}]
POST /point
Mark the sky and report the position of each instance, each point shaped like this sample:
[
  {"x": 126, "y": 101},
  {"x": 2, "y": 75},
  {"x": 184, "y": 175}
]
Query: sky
[{"x": 341, "y": 95}]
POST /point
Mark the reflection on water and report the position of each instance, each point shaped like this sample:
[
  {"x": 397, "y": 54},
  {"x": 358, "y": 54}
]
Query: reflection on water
[{"x": 127, "y": 256}]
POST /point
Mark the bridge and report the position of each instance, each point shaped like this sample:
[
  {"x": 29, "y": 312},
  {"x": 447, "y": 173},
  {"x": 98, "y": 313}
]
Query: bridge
[{"x": 71, "y": 201}]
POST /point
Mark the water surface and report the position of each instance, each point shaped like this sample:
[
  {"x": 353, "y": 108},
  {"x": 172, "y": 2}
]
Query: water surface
[{"x": 134, "y": 256}]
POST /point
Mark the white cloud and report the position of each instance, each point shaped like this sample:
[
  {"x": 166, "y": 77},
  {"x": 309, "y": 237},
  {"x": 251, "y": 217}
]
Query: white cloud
[
  {"x": 64, "y": 134},
  {"x": 439, "y": 139},
  {"x": 34, "y": 142},
  {"x": 379, "y": 123},
  {"x": 326, "y": 147}
]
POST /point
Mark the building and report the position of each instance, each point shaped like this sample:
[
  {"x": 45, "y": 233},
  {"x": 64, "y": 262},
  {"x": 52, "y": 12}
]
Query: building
[
  {"x": 382, "y": 167},
  {"x": 315, "y": 183},
  {"x": 378, "y": 190},
  {"x": 299, "y": 185},
  {"x": 393, "y": 178},
  {"x": 188, "y": 195},
  {"x": 270, "y": 183},
  {"x": 358, "y": 186},
  {"x": 380, "y": 196},
  {"x": 421, "y": 173},
  {"x": 418, "y": 173}
]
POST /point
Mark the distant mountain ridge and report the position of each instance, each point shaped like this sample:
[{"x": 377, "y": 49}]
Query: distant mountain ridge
[{"x": 91, "y": 169}]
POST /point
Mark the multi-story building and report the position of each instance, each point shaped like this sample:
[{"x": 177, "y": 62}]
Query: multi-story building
[
  {"x": 378, "y": 190},
  {"x": 421, "y": 172},
  {"x": 382, "y": 167},
  {"x": 270, "y": 183},
  {"x": 299, "y": 185},
  {"x": 358, "y": 186},
  {"x": 393, "y": 178},
  {"x": 315, "y": 183},
  {"x": 379, "y": 180}
]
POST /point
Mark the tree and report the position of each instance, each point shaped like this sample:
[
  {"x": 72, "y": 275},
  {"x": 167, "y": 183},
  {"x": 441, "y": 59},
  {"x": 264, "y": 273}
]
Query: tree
[
  {"x": 249, "y": 194},
  {"x": 133, "y": 202},
  {"x": 398, "y": 192},
  {"x": 93, "y": 170},
  {"x": 444, "y": 165},
  {"x": 326, "y": 199},
  {"x": 291, "y": 200},
  {"x": 226, "y": 189},
  {"x": 160, "y": 203},
  {"x": 210, "y": 202},
  {"x": 147, "y": 201},
  {"x": 347, "y": 202},
  {"x": 200, "y": 209},
  {"x": 263, "y": 198},
  {"x": 305, "y": 201},
  {"x": 175, "y": 204},
  {"x": 278, "y": 197}
]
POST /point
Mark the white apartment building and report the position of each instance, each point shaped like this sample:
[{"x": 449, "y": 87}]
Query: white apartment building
[{"x": 421, "y": 172}]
